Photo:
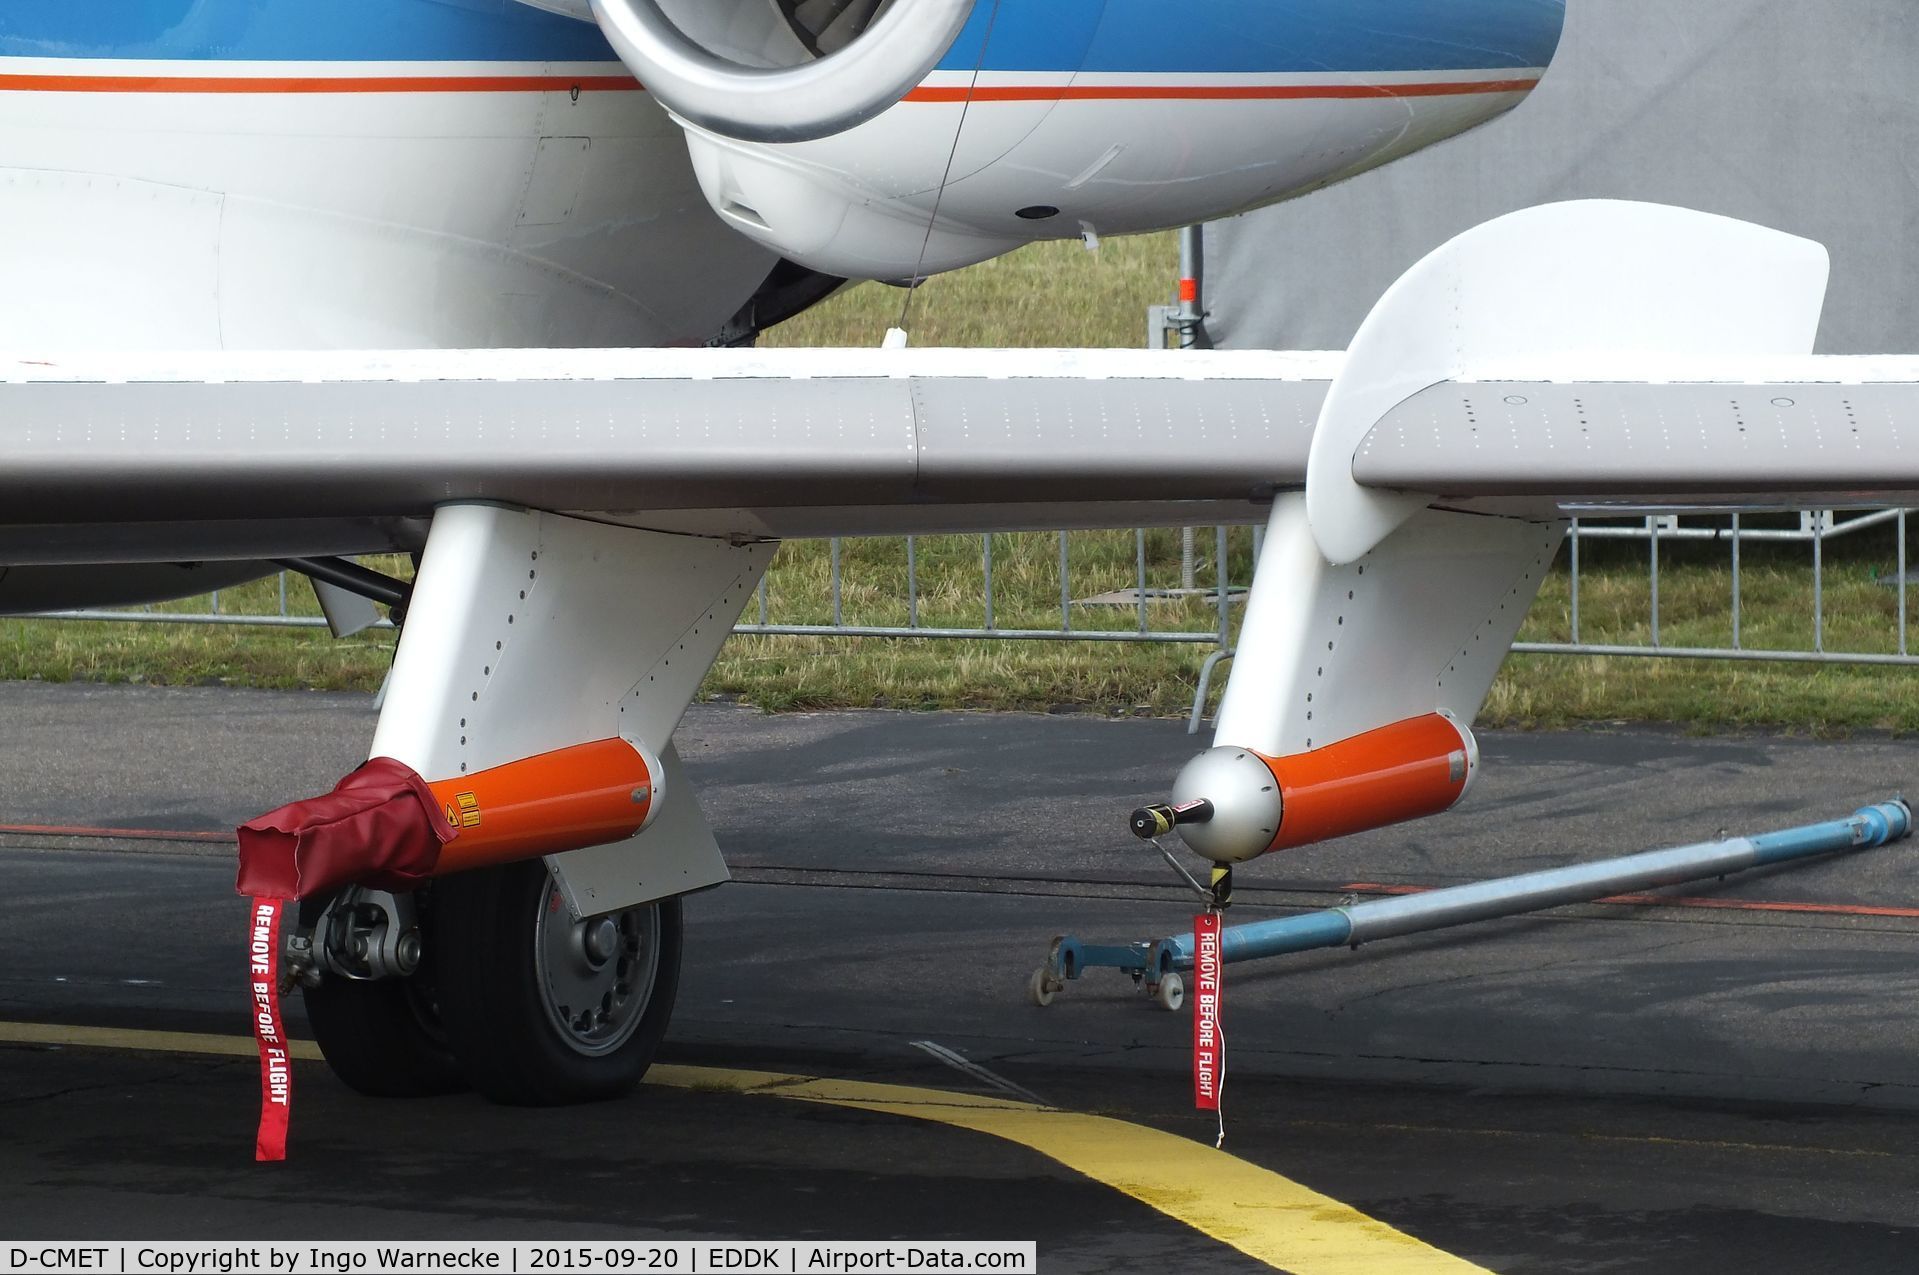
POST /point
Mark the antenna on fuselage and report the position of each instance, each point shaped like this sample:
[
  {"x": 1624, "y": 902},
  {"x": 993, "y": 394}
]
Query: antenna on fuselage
[{"x": 913, "y": 282}]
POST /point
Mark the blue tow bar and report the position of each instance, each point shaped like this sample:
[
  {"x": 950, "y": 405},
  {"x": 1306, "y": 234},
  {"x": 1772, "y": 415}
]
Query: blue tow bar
[{"x": 1156, "y": 964}]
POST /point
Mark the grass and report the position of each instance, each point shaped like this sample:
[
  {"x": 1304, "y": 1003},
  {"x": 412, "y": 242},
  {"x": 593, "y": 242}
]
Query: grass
[
  {"x": 805, "y": 672},
  {"x": 1062, "y": 294},
  {"x": 784, "y": 673},
  {"x": 1858, "y": 614},
  {"x": 776, "y": 672},
  {"x": 1046, "y": 294}
]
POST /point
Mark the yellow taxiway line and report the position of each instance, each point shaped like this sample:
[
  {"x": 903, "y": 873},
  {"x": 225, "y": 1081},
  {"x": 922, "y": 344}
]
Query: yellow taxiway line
[
  {"x": 143, "y": 1041},
  {"x": 1260, "y": 1213}
]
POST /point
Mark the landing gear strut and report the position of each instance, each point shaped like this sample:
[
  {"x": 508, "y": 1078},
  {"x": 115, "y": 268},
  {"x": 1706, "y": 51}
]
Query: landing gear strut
[{"x": 528, "y": 719}]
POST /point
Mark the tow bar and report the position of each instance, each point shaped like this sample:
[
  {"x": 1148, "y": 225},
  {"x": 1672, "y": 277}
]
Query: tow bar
[{"x": 1157, "y": 964}]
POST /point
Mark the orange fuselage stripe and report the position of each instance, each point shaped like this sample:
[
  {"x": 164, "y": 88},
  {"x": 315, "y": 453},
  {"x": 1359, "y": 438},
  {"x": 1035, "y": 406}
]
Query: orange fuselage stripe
[
  {"x": 1209, "y": 92},
  {"x": 315, "y": 83},
  {"x": 623, "y": 83}
]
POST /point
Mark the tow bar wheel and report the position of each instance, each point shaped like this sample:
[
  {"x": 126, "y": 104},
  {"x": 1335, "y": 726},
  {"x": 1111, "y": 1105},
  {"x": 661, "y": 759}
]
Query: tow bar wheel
[
  {"x": 1170, "y": 992},
  {"x": 542, "y": 1008}
]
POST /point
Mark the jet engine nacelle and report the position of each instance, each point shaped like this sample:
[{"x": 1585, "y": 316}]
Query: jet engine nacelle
[{"x": 893, "y": 138}]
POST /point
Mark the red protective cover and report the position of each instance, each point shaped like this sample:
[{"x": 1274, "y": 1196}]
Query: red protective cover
[{"x": 381, "y": 827}]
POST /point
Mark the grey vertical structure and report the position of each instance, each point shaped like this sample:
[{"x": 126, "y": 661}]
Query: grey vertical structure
[{"x": 1803, "y": 116}]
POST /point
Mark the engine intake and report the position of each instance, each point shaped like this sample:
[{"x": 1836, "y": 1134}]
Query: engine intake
[
  {"x": 894, "y": 139},
  {"x": 787, "y": 73}
]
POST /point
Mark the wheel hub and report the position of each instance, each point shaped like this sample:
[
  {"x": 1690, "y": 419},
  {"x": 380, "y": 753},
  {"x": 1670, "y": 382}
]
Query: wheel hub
[
  {"x": 599, "y": 940},
  {"x": 596, "y": 975}
]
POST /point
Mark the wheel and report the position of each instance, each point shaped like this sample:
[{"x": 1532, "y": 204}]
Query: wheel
[
  {"x": 383, "y": 1039},
  {"x": 1171, "y": 992},
  {"x": 544, "y": 1010},
  {"x": 1041, "y": 987}
]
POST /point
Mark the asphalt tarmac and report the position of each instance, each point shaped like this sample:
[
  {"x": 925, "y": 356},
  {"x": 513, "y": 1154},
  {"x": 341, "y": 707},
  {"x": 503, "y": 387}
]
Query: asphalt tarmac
[{"x": 1601, "y": 1088}]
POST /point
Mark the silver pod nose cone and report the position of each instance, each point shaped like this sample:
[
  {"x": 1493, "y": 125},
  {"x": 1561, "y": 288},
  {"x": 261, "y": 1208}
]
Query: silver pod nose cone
[{"x": 1246, "y": 804}]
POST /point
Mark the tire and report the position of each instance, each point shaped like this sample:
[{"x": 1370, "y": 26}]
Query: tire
[
  {"x": 512, "y": 963},
  {"x": 1040, "y": 988},
  {"x": 379, "y": 1038},
  {"x": 1171, "y": 992}
]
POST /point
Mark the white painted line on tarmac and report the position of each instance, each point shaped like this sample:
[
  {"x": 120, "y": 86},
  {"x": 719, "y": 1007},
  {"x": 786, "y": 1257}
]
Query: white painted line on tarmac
[{"x": 960, "y": 1063}]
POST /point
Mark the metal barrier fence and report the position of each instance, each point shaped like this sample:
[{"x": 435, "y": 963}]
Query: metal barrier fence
[
  {"x": 1815, "y": 529},
  {"x": 1139, "y": 600},
  {"x": 1144, "y": 594},
  {"x": 1150, "y": 585},
  {"x": 1662, "y": 537}
]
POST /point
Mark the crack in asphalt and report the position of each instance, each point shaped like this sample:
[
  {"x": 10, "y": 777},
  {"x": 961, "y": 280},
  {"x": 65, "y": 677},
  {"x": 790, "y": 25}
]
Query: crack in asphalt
[{"x": 146, "y": 1080}]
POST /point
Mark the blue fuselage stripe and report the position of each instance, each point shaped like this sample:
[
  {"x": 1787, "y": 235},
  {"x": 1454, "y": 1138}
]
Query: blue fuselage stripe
[
  {"x": 1112, "y": 36},
  {"x": 297, "y": 31},
  {"x": 1250, "y": 36}
]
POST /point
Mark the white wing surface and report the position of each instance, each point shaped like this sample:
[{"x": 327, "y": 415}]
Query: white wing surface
[
  {"x": 258, "y": 455},
  {"x": 1483, "y": 386},
  {"x": 1826, "y": 432}
]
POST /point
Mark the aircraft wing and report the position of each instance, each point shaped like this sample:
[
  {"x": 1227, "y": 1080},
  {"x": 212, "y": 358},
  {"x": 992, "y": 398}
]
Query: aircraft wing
[
  {"x": 1658, "y": 434},
  {"x": 234, "y": 455},
  {"x": 240, "y": 456},
  {"x": 1661, "y": 367}
]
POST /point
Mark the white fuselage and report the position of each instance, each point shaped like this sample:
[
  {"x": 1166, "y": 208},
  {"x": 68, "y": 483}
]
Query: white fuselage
[
  {"x": 245, "y": 174},
  {"x": 230, "y": 205}
]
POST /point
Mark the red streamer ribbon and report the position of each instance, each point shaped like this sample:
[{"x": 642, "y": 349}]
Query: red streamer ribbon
[
  {"x": 1209, "y": 1046},
  {"x": 269, "y": 1029}
]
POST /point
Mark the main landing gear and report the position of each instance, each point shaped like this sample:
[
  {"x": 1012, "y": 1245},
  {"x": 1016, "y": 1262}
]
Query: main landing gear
[
  {"x": 505, "y": 990},
  {"x": 530, "y": 713}
]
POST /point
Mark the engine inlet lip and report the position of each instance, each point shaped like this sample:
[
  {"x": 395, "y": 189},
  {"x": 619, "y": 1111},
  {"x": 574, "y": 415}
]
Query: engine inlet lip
[{"x": 800, "y": 103}]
